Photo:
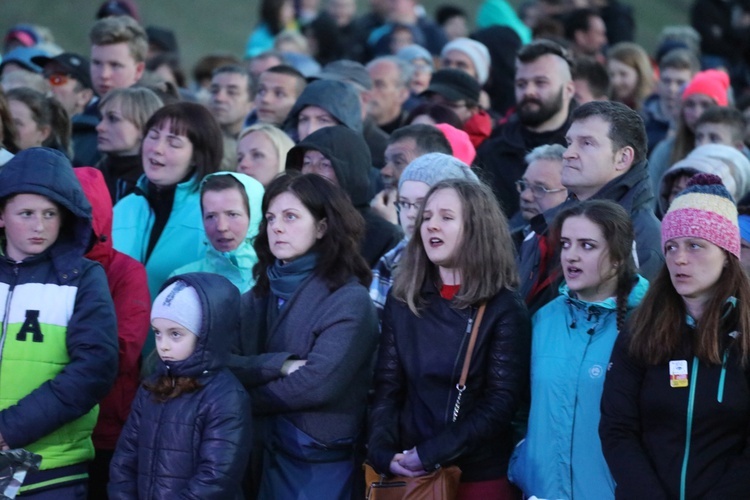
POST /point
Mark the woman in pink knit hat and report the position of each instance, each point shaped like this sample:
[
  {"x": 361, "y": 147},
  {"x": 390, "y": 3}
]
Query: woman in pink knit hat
[
  {"x": 676, "y": 401},
  {"x": 707, "y": 88}
]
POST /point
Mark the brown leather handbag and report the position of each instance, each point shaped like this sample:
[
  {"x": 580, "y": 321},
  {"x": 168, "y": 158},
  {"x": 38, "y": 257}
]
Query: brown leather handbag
[{"x": 442, "y": 484}]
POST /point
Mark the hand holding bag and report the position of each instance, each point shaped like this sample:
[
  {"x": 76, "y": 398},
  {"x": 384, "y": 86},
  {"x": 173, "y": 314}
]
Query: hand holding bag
[{"x": 442, "y": 484}]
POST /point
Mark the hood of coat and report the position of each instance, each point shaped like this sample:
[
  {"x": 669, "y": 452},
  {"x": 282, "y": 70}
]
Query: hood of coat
[
  {"x": 583, "y": 311},
  {"x": 338, "y": 98},
  {"x": 254, "y": 191},
  {"x": 221, "y": 319},
  {"x": 48, "y": 172},
  {"x": 95, "y": 189},
  {"x": 694, "y": 165},
  {"x": 349, "y": 157}
]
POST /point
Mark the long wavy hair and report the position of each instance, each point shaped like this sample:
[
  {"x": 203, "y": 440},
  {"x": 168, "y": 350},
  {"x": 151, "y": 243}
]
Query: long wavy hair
[
  {"x": 617, "y": 229},
  {"x": 485, "y": 256},
  {"x": 658, "y": 325},
  {"x": 338, "y": 248}
]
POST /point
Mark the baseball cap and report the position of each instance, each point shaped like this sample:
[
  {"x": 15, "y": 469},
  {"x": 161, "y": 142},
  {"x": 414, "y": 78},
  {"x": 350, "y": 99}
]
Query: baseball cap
[
  {"x": 73, "y": 64},
  {"x": 454, "y": 85},
  {"x": 23, "y": 56}
]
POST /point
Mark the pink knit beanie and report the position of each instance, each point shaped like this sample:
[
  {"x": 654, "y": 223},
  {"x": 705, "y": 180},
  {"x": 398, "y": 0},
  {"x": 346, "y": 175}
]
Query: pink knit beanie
[{"x": 712, "y": 82}]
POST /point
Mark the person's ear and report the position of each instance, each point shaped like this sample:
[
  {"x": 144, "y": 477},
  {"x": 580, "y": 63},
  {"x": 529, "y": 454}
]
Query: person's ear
[
  {"x": 624, "y": 158},
  {"x": 322, "y": 228}
]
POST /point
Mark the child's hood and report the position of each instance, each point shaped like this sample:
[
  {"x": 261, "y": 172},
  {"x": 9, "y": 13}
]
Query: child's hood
[
  {"x": 48, "y": 172},
  {"x": 220, "y": 324}
]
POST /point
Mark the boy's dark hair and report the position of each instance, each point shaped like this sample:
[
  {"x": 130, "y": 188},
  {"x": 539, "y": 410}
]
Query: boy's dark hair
[
  {"x": 285, "y": 69},
  {"x": 594, "y": 73},
  {"x": 427, "y": 138},
  {"x": 222, "y": 183},
  {"x": 725, "y": 115},
  {"x": 626, "y": 126}
]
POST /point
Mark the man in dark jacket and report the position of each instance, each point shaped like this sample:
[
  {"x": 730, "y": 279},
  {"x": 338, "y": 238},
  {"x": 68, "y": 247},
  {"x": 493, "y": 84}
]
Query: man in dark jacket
[
  {"x": 341, "y": 155},
  {"x": 606, "y": 160},
  {"x": 544, "y": 90}
]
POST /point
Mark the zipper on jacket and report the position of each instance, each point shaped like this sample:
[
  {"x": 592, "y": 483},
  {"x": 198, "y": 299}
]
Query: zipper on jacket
[
  {"x": 722, "y": 378},
  {"x": 575, "y": 409},
  {"x": 449, "y": 408},
  {"x": 689, "y": 430},
  {"x": 7, "y": 310}
]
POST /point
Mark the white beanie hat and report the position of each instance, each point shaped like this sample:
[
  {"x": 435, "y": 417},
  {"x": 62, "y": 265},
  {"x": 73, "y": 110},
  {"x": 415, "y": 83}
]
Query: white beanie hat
[
  {"x": 476, "y": 51},
  {"x": 179, "y": 302}
]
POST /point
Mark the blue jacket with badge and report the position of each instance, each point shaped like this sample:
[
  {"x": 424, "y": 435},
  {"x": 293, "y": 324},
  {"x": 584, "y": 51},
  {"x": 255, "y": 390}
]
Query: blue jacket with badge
[{"x": 572, "y": 341}]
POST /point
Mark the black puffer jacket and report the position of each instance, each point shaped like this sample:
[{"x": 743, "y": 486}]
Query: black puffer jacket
[
  {"x": 418, "y": 368},
  {"x": 197, "y": 445}
]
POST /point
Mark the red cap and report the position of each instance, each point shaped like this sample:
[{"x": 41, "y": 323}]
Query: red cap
[{"x": 712, "y": 82}]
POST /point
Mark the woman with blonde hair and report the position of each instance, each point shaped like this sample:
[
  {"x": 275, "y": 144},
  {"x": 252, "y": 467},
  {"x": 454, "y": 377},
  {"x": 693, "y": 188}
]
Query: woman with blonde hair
[
  {"x": 119, "y": 136},
  {"x": 630, "y": 74},
  {"x": 261, "y": 152}
]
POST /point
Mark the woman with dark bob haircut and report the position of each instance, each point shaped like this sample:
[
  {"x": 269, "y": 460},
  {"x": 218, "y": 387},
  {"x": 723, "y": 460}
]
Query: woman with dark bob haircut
[
  {"x": 308, "y": 336},
  {"x": 160, "y": 224}
]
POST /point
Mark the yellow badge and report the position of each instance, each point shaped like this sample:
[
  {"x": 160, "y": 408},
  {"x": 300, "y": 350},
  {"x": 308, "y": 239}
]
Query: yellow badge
[{"x": 678, "y": 373}]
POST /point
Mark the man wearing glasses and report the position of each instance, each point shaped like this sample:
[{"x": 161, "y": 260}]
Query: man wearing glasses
[{"x": 70, "y": 80}]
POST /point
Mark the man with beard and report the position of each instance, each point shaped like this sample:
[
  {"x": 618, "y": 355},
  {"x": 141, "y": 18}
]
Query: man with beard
[{"x": 544, "y": 89}]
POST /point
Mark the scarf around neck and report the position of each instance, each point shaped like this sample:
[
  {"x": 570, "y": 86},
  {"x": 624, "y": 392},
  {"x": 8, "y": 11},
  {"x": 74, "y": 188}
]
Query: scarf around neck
[{"x": 284, "y": 279}]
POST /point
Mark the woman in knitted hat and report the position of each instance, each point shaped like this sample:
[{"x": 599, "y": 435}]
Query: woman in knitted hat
[{"x": 676, "y": 401}]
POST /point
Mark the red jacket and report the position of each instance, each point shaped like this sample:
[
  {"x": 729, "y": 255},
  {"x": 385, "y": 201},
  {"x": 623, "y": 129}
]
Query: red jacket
[{"x": 129, "y": 289}]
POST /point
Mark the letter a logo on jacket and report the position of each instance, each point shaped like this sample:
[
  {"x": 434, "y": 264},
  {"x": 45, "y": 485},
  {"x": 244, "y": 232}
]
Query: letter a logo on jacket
[{"x": 31, "y": 325}]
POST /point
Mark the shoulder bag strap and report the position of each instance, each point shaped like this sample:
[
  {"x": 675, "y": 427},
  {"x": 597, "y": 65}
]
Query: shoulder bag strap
[{"x": 461, "y": 386}]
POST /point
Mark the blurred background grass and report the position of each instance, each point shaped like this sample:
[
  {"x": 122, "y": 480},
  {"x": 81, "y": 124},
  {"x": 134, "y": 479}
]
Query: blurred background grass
[{"x": 204, "y": 26}]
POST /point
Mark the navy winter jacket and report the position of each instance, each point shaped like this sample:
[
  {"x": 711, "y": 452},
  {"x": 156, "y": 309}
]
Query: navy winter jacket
[{"x": 195, "y": 446}]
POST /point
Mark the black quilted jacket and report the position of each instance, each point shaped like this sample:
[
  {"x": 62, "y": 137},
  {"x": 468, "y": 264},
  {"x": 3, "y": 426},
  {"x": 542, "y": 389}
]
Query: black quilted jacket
[{"x": 418, "y": 368}]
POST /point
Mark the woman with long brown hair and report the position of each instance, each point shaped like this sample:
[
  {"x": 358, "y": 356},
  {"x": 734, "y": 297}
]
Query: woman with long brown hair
[
  {"x": 459, "y": 259},
  {"x": 676, "y": 403}
]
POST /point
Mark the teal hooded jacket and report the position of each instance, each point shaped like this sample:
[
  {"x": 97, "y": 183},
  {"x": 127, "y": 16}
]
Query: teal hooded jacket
[{"x": 237, "y": 265}]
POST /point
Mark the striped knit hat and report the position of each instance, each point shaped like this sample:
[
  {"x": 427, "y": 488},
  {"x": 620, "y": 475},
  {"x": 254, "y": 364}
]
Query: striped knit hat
[{"x": 704, "y": 209}]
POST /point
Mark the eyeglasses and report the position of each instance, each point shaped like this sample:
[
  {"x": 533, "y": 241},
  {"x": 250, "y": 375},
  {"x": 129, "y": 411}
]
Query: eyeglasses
[
  {"x": 58, "y": 79},
  {"x": 405, "y": 205},
  {"x": 537, "y": 191}
]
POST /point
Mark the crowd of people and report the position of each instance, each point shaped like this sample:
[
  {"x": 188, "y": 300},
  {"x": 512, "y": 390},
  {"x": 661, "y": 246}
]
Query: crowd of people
[{"x": 382, "y": 239}]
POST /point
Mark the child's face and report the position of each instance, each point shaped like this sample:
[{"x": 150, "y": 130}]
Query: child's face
[
  {"x": 174, "y": 342},
  {"x": 225, "y": 218},
  {"x": 715, "y": 133},
  {"x": 32, "y": 223}
]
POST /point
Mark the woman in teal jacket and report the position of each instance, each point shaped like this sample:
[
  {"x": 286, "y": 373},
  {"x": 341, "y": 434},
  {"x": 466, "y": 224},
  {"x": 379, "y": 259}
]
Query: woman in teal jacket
[
  {"x": 572, "y": 340},
  {"x": 160, "y": 224},
  {"x": 231, "y": 203}
]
